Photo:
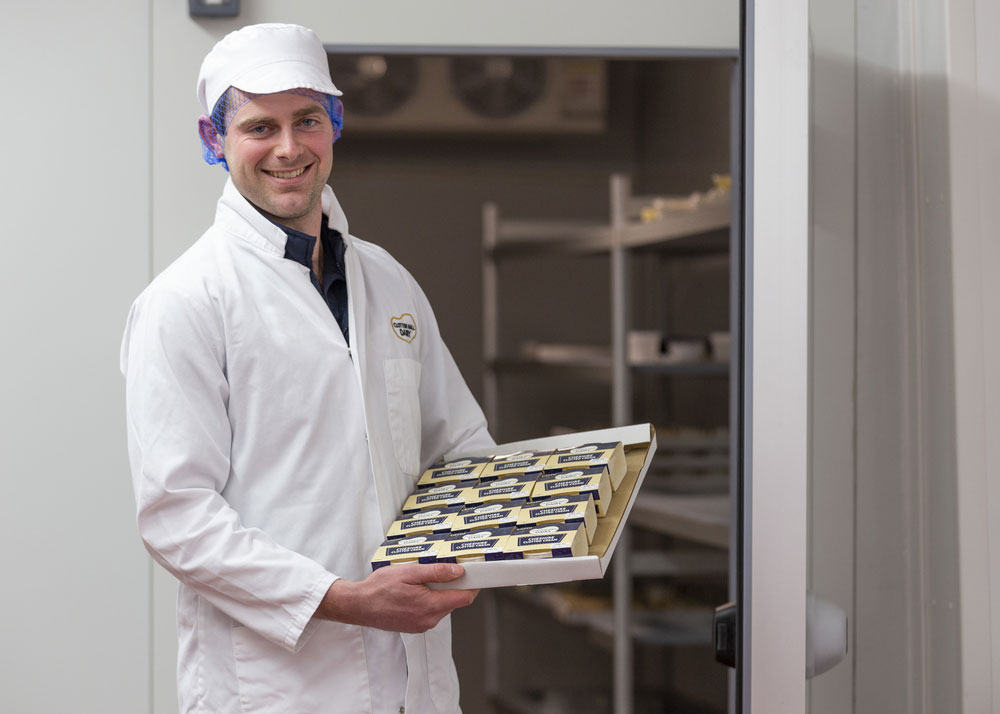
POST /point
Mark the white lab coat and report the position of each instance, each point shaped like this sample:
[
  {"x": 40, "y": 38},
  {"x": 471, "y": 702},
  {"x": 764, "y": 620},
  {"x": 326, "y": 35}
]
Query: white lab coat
[{"x": 268, "y": 459}]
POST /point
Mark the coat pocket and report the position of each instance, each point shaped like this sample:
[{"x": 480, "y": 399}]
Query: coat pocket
[
  {"x": 327, "y": 675},
  {"x": 402, "y": 387}
]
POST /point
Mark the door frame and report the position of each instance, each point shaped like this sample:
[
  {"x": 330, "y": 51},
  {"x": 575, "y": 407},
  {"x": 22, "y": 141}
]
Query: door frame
[{"x": 772, "y": 501}]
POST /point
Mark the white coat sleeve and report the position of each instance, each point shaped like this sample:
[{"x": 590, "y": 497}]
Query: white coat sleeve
[
  {"x": 451, "y": 419},
  {"x": 179, "y": 436}
]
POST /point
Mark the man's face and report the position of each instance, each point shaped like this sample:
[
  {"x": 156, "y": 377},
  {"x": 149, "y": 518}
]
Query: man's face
[{"x": 279, "y": 148}]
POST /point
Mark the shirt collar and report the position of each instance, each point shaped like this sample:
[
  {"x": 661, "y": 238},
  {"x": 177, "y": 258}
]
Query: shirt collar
[
  {"x": 260, "y": 231},
  {"x": 299, "y": 247}
]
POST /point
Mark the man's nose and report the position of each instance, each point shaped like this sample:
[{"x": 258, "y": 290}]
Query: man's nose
[{"x": 288, "y": 144}]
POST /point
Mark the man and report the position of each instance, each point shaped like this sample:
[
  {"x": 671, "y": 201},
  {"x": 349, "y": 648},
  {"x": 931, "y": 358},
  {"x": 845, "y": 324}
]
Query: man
[{"x": 286, "y": 384}]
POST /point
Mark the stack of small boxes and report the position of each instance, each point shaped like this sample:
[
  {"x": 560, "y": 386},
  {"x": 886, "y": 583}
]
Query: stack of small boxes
[{"x": 541, "y": 504}]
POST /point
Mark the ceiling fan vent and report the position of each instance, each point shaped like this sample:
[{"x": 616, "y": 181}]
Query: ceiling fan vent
[
  {"x": 498, "y": 87},
  {"x": 463, "y": 95},
  {"x": 376, "y": 85}
]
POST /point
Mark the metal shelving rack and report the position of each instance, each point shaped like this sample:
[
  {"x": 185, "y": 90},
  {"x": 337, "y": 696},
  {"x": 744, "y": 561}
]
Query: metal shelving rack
[
  {"x": 684, "y": 232},
  {"x": 694, "y": 231}
]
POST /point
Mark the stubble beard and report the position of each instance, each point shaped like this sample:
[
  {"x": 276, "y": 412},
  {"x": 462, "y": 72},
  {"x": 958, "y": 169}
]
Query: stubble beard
[{"x": 269, "y": 203}]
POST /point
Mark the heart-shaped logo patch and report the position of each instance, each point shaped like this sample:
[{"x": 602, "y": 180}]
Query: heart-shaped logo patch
[{"x": 405, "y": 327}]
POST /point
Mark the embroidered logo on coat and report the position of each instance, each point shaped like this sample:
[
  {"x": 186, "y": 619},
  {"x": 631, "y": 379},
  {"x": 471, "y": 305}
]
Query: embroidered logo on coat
[{"x": 405, "y": 327}]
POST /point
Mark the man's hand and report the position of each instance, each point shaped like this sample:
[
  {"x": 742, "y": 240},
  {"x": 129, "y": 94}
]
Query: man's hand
[{"x": 396, "y": 598}]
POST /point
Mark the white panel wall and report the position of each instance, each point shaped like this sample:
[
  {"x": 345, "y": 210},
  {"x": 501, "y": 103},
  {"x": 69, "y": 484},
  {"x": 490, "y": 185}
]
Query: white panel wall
[
  {"x": 926, "y": 545},
  {"x": 973, "y": 62},
  {"x": 985, "y": 253},
  {"x": 687, "y": 24},
  {"x": 74, "y": 604},
  {"x": 833, "y": 314},
  {"x": 889, "y": 645},
  {"x": 935, "y": 406}
]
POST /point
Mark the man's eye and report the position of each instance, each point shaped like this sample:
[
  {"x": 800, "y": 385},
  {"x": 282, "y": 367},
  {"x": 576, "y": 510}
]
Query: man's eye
[
  {"x": 256, "y": 129},
  {"x": 310, "y": 121}
]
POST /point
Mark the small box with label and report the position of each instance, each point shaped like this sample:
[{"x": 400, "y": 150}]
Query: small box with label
[
  {"x": 429, "y": 521},
  {"x": 555, "y": 540},
  {"x": 482, "y": 544},
  {"x": 508, "y": 488},
  {"x": 454, "y": 471},
  {"x": 593, "y": 480},
  {"x": 488, "y": 515},
  {"x": 610, "y": 454},
  {"x": 578, "y": 508},
  {"x": 415, "y": 549},
  {"x": 447, "y": 494},
  {"x": 515, "y": 464}
]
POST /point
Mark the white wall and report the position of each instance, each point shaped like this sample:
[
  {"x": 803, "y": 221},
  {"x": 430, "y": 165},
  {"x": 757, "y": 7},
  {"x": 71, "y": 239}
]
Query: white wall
[
  {"x": 833, "y": 315},
  {"x": 973, "y": 117},
  {"x": 891, "y": 526},
  {"x": 956, "y": 95},
  {"x": 911, "y": 92},
  {"x": 982, "y": 402},
  {"x": 74, "y": 604},
  {"x": 873, "y": 367}
]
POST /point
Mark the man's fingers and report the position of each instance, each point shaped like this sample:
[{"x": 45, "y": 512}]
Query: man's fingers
[
  {"x": 399, "y": 600},
  {"x": 449, "y": 600},
  {"x": 437, "y": 573},
  {"x": 446, "y": 572}
]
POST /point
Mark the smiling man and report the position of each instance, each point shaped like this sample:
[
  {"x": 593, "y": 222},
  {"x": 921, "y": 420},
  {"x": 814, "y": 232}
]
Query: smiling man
[
  {"x": 278, "y": 416},
  {"x": 279, "y": 150}
]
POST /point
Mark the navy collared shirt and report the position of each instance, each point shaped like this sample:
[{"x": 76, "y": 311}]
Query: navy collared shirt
[{"x": 299, "y": 247}]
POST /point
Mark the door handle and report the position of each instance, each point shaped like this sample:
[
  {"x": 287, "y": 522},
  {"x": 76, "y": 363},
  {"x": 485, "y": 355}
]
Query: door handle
[
  {"x": 826, "y": 635},
  {"x": 724, "y": 634}
]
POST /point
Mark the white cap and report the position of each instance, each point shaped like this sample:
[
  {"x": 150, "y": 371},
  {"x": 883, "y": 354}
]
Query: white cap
[{"x": 264, "y": 59}]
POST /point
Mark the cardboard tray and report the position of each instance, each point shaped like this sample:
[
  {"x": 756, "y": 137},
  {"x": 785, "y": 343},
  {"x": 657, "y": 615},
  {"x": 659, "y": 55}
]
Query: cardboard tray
[{"x": 639, "y": 441}]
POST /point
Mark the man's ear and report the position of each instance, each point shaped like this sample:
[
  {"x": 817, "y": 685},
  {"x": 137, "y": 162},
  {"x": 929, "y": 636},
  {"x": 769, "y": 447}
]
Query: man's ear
[{"x": 210, "y": 137}]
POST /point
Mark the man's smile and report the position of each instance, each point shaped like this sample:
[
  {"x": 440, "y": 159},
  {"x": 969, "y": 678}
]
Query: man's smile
[{"x": 293, "y": 173}]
